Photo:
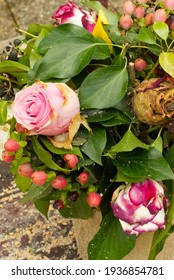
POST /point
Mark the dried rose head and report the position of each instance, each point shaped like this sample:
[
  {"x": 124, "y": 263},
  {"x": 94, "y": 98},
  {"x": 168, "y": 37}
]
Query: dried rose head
[{"x": 153, "y": 101}]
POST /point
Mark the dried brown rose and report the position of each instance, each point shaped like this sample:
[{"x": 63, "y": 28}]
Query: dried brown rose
[{"x": 153, "y": 101}]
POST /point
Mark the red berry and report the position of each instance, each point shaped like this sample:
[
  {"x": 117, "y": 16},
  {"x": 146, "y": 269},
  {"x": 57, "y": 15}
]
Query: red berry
[
  {"x": 73, "y": 196},
  {"x": 59, "y": 182},
  {"x": 139, "y": 12},
  {"x": 128, "y": 8},
  {"x": 149, "y": 19},
  {"x": 25, "y": 170},
  {"x": 126, "y": 22},
  {"x": 159, "y": 15},
  {"x": 71, "y": 160},
  {"x": 169, "y": 4},
  {"x": 6, "y": 157},
  {"x": 94, "y": 199},
  {"x": 39, "y": 178},
  {"x": 83, "y": 177},
  {"x": 11, "y": 145},
  {"x": 58, "y": 204},
  {"x": 140, "y": 64},
  {"x": 141, "y": 1}
]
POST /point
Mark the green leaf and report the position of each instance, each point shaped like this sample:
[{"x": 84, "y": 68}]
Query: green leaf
[
  {"x": 161, "y": 29},
  {"x": 101, "y": 51},
  {"x": 95, "y": 144},
  {"x": 36, "y": 192},
  {"x": 42, "y": 206},
  {"x": 60, "y": 33},
  {"x": 59, "y": 151},
  {"x": 119, "y": 119},
  {"x": 3, "y": 112},
  {"x": 8, "y": 66},
  {"x": 103, "y": 88},
  {"x": 78, "y": 209},
  {"x": 166, "y": 60},
  {"x": 97, "y": 6},
  {"x": 143, "y": 164},
  {"x": 96, "y": 115},
  {"x": 65, "y": 59},
  {"x": 169, "y": 156},
  {"x": 23, "y": 183},
  {"x": 45, "y": 156},
  {"x": 146, "y": 35},
  {"x": 154, "y": 49},
  {"x": 110, "y": 242},
  {"x": 128, "y": 143}
]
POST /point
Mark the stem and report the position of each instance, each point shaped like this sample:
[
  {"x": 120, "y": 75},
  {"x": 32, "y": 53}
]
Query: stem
[
  {"x": 161, "y": 234},
  {"x": 8, "y": 80},
  {"x": 152, "y": 70},
  {"x": 27, "y": 33}
]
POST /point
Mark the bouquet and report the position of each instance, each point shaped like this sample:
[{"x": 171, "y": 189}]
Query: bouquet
[{"x": 87, "y": 105}]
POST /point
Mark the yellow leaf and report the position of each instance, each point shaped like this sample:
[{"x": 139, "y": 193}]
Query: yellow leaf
[{"x": 99, "y": 31}]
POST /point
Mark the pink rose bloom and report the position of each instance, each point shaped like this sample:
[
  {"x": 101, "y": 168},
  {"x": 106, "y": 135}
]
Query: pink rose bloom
[
  {"x": 140, "y": 207},
  {"x": 70, "y": 13},
  {"x": 46, "y": 108}
]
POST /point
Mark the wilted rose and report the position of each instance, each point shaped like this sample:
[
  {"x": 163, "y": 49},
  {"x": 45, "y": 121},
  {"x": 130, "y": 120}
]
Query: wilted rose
[
  {"x": 70, "y": 13},
  {"x": 140, "y": 207},
  {"x": 46, "y": 108},
  {"x": 153, "y": 101}
]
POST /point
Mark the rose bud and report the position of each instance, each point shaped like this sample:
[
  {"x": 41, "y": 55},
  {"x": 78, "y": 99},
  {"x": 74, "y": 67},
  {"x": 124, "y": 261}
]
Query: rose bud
[
  {"x": 126, "y": 22},
  {"x": 94, "y": 199},
  {"x": 140, "y": 207},
  {"x": 140, "y": 64},
  {"x": 46, "y": 108},
  {"x": 159, "y": 15},
  {"x": 6, "y": 157},
  {"x": 11, "y": 145},
  {"x": 153, "y": 101},
  {"x": 128, "y": 8},
  {"x": 25, "y": 170},
  {"x": 139, "y": 12},
  {"x": 58, "y": 204},
  {"x": 39, "y": 178},
  {"x": 169, "y": 4},
  {"x": 71, "y": 160},
  {"x": 59, "y": 182},
  {"x": 83, "y": 177},
  {"x": 70, "y": 13}
]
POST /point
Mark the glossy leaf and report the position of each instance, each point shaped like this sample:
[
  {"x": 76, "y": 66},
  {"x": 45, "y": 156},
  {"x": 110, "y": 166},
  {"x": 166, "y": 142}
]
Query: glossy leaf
[
  {"x": 42, "y": 206},
  {"x": 23, "y": 183},
  {"x": 36, "y": 192},
  {"x": 161, "y": 29},
  {"x": 78, "y": 209},
  {"x": 103, "y": 88},
  {"x": 8, "y": 66},
  {"x": 166, "y": 60},
  {"x": 95, "y": 144},
  {"x": 65, "y": 59},
  {"x": 96, "y": 115},
  {"x": 110, "y": 242},
  {"x": 146, "y": 35},
  {"x": 60, "y": 33},
  {"x": 143, "y": 164}
]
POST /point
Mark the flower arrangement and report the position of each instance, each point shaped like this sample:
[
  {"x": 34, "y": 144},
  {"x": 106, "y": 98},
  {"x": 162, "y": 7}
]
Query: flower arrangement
[{"x": 91, "y": 124}]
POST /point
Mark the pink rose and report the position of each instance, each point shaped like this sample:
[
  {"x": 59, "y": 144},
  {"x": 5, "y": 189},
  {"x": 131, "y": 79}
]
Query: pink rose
[
  {"x": 140, "y": 207},
  {"x": 46, "y": 108},
  {"x": 70, "y": 13}
]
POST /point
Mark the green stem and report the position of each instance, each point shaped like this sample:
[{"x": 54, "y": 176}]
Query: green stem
[
  {"x": 8, "y": 80},
  {"x": 27, "y": 33},
  {"x": 152, "y": 70},
  {"x": 161, "y": 234}
]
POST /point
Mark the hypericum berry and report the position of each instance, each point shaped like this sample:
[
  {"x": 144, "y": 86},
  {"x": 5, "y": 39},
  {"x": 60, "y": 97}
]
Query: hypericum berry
[
  {"x": 59, "y": 182},
  {"x": 11, "y": 145},
  {"x": 140, "y": 64},
  {"x": 128, "y": 8},
  {"x": 58, "y": 204},
  {"x": 39, "y": 177},
  {"x": 83, "y": 177},
  {"x": 71, "y": 160},
  {"x": 126, "y": 22},
  {"x": 149, "y": 19},
  {"x": 169, "y": 4},
  {"x": 139, "y": 12},
  {"x": 159, "y": 15},
  {"x": 94, "y": 199},
  {"x": 6, "y": 157},
  {"x": 25, "y": 170},
  {"x": 141, "y": 1},
  {"x": 13, "y": 55},
  {"x": 170, "y": 22},
  {"x": 73, "y": 196}
]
